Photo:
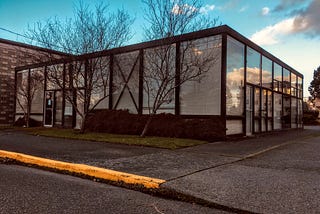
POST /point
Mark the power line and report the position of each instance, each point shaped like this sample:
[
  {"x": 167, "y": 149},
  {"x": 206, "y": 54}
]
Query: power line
[{"x": 19, "y": 34}]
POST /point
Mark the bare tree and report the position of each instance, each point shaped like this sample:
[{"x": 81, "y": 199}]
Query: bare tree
[
  {"x": 90, "y": 30},
  {"x": 169, "y": 18}
]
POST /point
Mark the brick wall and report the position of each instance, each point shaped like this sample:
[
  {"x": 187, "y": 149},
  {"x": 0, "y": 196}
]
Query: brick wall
[{"x": 13, "y": 55}]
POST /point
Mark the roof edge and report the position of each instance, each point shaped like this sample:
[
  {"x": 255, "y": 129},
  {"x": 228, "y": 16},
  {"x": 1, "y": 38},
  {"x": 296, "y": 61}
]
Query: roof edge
[{"x": 32, "y": 47}]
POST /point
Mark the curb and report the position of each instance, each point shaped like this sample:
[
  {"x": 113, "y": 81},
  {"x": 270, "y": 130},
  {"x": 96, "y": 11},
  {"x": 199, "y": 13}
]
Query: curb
[{"x": 96, "y": 172}]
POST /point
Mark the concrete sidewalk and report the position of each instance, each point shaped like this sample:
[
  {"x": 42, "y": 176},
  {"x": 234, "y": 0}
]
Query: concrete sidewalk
[{"x": 278, "y": 173}]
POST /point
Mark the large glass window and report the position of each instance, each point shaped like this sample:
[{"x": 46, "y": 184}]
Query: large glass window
[
  {"x": 159, "y": 79},
  {"x": 286, "y": 81},
  {"x": 36, "y": 88},
  {"x": 299, "y": 113},
  {"x": 22, "y": 91},
  {"x": 286, "y": 117},
  {"x": 126, "y": 81},
  {"x": 264, "y": 110},
  {"x": 300, "y": 89},
  {"x": 100, "y": 82},
  {"x": 257, "y": 109},
  {"x": 201, "y": 95},
  {"x": 294, "y": 113},
  {"x": 253, "y": 67},
  {"x": 266, "y": 72},
  {"x": 55, "y": 76},
  {"x": 293, "y": 84},
  {"x": 235, "y": 77},
  {"x": 277, "y": 114},
  {"x": 269, "y": 97},
  {"x": 277, "y": 78}
]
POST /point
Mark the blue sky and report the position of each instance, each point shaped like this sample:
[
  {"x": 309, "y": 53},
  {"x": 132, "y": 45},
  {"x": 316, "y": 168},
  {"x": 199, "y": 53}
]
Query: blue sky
[{"x": 289, "y": 29}]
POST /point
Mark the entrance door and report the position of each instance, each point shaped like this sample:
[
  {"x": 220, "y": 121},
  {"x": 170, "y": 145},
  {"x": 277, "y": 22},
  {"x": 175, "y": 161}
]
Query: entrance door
[
  {"x": 249, "y": 110},
  {"x": 49, "y": 103}
]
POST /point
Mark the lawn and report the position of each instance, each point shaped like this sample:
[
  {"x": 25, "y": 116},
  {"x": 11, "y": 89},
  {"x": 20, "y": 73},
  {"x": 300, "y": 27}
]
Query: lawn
[{"x": 159, "y": 142}]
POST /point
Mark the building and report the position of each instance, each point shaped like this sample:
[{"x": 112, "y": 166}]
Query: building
[
  {"x": 241, "y": 84},
  {"x": 13, "y": 54}
]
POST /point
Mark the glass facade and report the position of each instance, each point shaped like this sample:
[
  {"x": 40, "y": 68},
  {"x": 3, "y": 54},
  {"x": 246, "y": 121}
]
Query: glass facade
[{"x": 196, "y": 76}]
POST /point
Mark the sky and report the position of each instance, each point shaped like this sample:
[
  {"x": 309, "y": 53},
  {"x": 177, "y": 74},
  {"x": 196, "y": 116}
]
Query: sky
[{"x": 288, "y": 29}]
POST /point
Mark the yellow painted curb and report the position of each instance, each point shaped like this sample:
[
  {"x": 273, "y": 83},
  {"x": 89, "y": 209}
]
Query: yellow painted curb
[{"x": 96, "y": 172}]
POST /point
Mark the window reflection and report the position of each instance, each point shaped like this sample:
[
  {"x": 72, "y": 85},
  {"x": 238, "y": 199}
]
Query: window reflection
[
  {"x": 277, "y": 79},
  {"x": 293, "y": 84},
  {"x": 201, "y": 95},
  {"x": 277, "y": 111},
  {"x": 235, "y": 77},
  {"x": 253, "y": 66},
  {"x": 266, "y": 72},
  {"x": 286, "y": 81}
]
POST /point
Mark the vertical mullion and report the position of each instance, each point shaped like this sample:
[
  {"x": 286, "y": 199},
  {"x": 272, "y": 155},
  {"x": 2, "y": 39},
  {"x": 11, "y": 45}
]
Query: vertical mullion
[
  {"x": 111, "y": 82},
  {"x": 223, "y": 80},
  {"x": 15, "y": 97},
  {"x": 177, "y": 79},
  {"x": 244, "y": 121},
  {"x": 63, "y": 93},
  {"x": 141, "y": 69}
]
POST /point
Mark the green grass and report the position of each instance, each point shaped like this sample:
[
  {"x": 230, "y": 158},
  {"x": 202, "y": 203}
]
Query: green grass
[
  {"x": 159, "y": 142},
  {"x": 5, "y": 127}
]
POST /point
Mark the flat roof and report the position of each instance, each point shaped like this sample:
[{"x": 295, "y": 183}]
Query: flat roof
[{"x": 219, "y": 30}]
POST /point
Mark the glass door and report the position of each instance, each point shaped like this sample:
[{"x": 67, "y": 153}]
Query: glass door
[
  {"x": 249, "y": 110},
  {"x": 48, "y": 113}
]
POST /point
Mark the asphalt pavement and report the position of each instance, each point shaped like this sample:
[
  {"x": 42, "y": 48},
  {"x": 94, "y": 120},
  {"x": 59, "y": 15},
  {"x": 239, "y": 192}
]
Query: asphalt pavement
[
  {"x": 272, "y": 173},
  {"x": 47, "y": 192}
]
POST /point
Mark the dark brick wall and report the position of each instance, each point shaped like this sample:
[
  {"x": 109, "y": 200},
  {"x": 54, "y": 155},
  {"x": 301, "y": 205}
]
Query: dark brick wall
[{"x": 11, "y": 56}]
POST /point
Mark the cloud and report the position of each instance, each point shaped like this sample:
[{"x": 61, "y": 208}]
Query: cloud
[
  {"x": 183, "y": 9},
  {"x": 207, "y": 8},
  {"x": 287, "y": 4},
  {"x": 270, "y": 34},
  {"x": 309, "y": 18},
  {"x": 265, "y": 11},
  {"x": 229, "y": 5},
  {"x": 304, "y": 22},
  {"x": 243, "y": 9}
]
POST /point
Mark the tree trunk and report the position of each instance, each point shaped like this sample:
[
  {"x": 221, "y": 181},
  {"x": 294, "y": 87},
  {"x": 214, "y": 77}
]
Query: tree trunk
[
  {"x": 83, "y": 125},
  {"x": 27, "y": 119},
  {"x": 146, "y": 127}
]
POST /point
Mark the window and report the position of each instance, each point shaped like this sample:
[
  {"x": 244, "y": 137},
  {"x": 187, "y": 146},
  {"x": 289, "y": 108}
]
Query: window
[
  {"x": 277, "y": 112},
  {"x": 126, "y": 81},
  {"x": 300, "y": 92},
  {"x": 159, "y": 79},
  {"x": 253, "y": 67},
  {"x": 201, "y": 95},
  {"x": 293, "y": 85},
  {"x": 266, "y": 72},
  {"x": 235, "y": 77},
  {"x": 286, "y": 81},
  {"x": 277, "y": 78}
]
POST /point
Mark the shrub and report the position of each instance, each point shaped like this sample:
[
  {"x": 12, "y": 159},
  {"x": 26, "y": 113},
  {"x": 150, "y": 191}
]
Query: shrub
[
  {"x": 162, "y": 125},
  {"x": 32, "y": 122},
  {"x": 310, "y": 117}
]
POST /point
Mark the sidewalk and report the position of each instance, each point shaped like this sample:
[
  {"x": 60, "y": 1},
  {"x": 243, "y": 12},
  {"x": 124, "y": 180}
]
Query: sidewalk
[{"x": 278, "y": 173}]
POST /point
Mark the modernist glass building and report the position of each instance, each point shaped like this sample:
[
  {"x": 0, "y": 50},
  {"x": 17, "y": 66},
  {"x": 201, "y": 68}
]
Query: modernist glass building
[{"x": 241, "y": 84}]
